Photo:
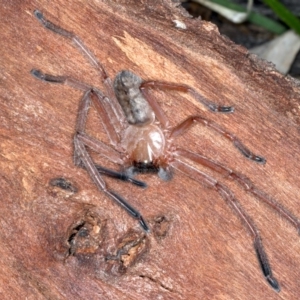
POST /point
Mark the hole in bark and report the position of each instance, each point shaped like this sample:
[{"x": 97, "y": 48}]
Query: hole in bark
[
  {"x": 86, "y": 235},
  {"x": 130, "y": 249},
  {"x": 161, "y": 226}
]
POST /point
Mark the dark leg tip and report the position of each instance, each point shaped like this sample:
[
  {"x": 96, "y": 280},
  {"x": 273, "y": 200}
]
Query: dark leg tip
[
  {"x": 259, "y": 159},
  {"x": 37, "y": 74},
  {"x": 222, "y": 109},
  {"x": 139, "y": 183},
  {"x": 144, "y": 224},
  {"x": 38, "y": 14},
  {"x": 226, "y": 109},
  {"x": 274, "y": 284},
  {"x": 47, "y": 77}
]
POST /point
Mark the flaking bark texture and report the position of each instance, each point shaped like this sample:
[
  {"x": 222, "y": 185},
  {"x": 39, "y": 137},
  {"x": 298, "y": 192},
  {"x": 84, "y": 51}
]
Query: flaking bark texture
[{"x": 61, "y": 238}]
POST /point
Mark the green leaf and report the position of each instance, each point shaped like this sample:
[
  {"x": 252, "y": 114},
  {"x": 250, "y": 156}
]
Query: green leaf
[{"x": 284, "y": 14}]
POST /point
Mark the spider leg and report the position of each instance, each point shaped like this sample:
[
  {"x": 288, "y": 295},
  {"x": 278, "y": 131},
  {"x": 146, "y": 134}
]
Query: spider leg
[
  {"x": 244, "y": 181},
  {"x": 190, "y": 121},
  {"x": 120, "y": 175},
  {"x": 230, "y": 199},
  {"x": 100, "y": 183},
  {"x": 109, "y": 121},
  {"x": 159, "y": 113},
  {"x": 110, "y": 154},
  {"x": 113, "y": 124},
  {"x": 89, "y": 55},
  {"x": 66, "y": 80},
  {"x": 101, "y": 148},
  {"x": 75, "y": 39},
  {"x": 186, "y": 89}
]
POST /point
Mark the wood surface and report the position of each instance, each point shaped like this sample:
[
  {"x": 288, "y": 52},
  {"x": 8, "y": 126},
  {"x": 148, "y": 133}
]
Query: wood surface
[{"x": 63, "y": 239}]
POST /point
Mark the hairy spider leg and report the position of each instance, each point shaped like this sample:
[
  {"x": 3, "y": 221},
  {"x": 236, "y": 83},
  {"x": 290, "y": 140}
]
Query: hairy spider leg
[
  {"x": 241, "y": 179},
  {"x": 75, "y": 39},
  {"x": 86, "y": 159},
  {"x": 182, "y": 127},
  {"x": 81, "y": 139},
  {"x": 192, "y": 120},
  {"x": 66, "y": 80},
  {"x": 112, "y": 125},
  {"x": 248, "y": 186},
  {"x": 100, "y": 183},
  {"x": 230, "y": 199},
  {"x": 110, "y": 154},
  {"x": 90, "y": 165},
  {"x": 159, "y": 113},
  {"x": 89, "y": 55},
  {"x": 120, "y": 175},
  {"x": 161, "y": 85},
  {"x": 107, "y": 116}
]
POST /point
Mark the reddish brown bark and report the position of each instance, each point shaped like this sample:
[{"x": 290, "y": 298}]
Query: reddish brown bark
[{"x": 59, "y": 240}]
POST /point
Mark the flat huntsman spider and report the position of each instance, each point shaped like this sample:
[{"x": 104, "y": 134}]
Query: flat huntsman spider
[{"x": 142, "y": 141}]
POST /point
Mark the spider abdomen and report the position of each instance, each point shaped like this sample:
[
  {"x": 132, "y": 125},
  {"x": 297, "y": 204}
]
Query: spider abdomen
[
  {"x": 144, "y": 144},
  {"x": 135, "y": 107}
]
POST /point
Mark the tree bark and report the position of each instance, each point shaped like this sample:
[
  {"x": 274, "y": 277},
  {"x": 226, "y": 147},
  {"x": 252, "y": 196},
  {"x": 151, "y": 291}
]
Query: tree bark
[{"x": 63, "y": 239}]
